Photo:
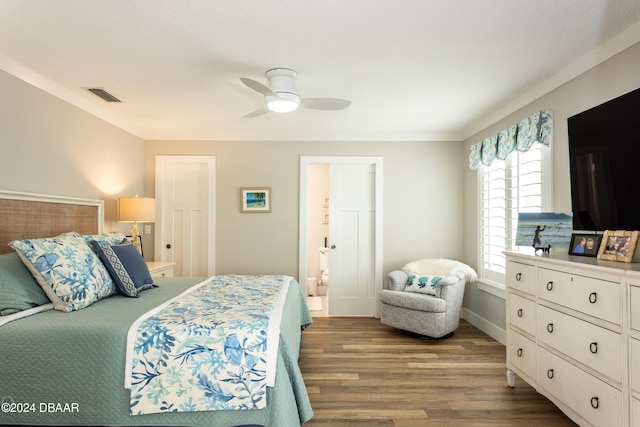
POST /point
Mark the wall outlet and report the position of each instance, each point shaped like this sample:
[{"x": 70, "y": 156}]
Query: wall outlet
[{"x": 147, "y": 229}]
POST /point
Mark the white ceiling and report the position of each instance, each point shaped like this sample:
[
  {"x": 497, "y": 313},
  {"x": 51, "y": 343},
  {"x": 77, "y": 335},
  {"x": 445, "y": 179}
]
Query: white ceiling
[{"x": 413, "y": 69}]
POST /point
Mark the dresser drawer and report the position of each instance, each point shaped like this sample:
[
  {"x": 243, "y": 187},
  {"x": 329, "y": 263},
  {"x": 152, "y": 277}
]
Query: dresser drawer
[
  {"x": 595, "y": 297},
  {"x": 634, "y": 358},
  {"x": 161, "y": 269},
  {"x": 521, "y": 276},
  {"x": 521, "y": 353},
  {"x": 596, "y": 401},
  {"x": 635, "y": 304},
  {"x": 167, "y": 272},
  {"x": 596, "y": 347},
  {"x": 522, "y": 313}
]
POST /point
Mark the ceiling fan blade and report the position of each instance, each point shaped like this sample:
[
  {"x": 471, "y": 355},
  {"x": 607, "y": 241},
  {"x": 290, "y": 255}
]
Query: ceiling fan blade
[
  {"x": 258, "y": 112},
  {"x": 257, "y": 86},
  {"x": 325, "y": 103}
]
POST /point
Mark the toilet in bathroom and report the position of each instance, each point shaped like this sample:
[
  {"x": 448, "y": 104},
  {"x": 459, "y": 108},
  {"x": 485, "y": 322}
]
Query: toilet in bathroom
[{"x": 324, "y": 266}]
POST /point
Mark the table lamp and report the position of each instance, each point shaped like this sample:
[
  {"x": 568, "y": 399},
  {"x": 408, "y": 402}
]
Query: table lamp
[{"x": 136, "y": 209}]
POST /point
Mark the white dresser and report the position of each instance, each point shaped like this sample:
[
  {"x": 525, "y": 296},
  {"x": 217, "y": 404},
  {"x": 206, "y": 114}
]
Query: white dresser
[
  {"x": 572, "y": 334},
  {"x": 634, "y": 346}
]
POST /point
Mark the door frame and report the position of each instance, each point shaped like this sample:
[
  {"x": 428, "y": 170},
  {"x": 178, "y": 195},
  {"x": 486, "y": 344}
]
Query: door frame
[
  {"x": 305, "y": 161},
  {"x": 161, "y": 161}
]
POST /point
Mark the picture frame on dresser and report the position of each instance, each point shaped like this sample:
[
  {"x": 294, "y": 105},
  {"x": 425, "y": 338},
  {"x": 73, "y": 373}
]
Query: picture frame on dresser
[
  {"x": 618, "y": 245},
  {"x": 585, "y": 244}
]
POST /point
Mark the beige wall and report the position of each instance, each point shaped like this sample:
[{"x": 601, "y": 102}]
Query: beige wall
[
  {"x": 48, "y": 146},
  {"x": 608, "y": 80},
  {"x": 422, "y": 198}
]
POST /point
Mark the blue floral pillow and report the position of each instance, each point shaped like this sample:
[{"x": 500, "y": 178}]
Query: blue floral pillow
[
  {"x": 66, "y": 268},
  {"x": 126, "y": 267},
  {"x": 422, "y": 284},
  {"x": 111, "y": 238}
]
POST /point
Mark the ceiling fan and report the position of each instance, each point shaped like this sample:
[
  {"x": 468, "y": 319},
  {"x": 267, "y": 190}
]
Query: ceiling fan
[{"x": 281, "y": 95}]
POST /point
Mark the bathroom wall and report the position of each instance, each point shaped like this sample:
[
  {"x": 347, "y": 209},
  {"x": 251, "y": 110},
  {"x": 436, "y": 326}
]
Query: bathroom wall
[{"x": 318, "y": 190}]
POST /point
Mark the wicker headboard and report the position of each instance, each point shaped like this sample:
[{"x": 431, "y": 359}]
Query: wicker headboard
[{"x": 28, "y": 216}]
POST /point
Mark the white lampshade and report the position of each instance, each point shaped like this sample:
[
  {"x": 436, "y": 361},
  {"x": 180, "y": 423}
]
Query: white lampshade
[{"x": 136, "y": 209}]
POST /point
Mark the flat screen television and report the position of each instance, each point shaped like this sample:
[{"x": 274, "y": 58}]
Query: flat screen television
[{"x": 604, "y": 154}]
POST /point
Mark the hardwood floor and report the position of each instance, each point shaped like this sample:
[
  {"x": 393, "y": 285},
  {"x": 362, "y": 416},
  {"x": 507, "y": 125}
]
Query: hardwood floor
[{"x": 361, "y": 373}]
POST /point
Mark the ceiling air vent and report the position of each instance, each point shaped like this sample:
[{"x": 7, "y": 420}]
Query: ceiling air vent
[{"x": 103, "y": 94}]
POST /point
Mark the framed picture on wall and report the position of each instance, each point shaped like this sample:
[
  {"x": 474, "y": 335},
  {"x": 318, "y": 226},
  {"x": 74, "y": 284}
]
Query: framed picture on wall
[
  {"x": 255, "y": 199},
  {"x": 585, "y": 244}
]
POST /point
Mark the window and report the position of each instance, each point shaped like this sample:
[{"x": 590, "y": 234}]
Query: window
[{"x": 517, "y": 184}]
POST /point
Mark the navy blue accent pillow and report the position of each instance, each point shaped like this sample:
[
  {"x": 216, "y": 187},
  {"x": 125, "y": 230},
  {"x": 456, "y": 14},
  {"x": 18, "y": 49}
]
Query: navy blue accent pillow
[{"x": 126, "y": 267}]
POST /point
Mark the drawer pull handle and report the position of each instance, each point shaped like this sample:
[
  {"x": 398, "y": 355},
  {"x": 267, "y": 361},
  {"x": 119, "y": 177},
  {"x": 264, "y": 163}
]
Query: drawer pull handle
[
  {"x": 519, "y": 312},
  {"x": 550, "y": 327},
  {"x": 549, "y": 286},
  {"x": 593, "y": 347},
  {"x": 595, "y": 402},
  {"x": 550, "y": 374},
  {"x": 518, "y": 276},
  {"x": 519, "y": 352},
  {"x": 593, "y": 297}
]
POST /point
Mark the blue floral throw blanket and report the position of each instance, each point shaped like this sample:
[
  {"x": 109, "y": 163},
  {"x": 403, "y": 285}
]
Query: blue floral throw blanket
[{"x": 214, "y": 347}]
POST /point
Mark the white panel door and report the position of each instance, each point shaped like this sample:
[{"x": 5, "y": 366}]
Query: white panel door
[
  {"x": 352, "y": 240},
  {"x": 185, "y": 199}
]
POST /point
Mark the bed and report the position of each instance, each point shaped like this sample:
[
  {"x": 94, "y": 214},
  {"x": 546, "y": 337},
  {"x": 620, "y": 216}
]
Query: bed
[{"x": 68, "y": 368}]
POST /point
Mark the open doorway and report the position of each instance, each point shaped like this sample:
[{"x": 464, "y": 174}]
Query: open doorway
[
  {"x": 344, "y": 223},
  {"x": 318, "y": 238}
]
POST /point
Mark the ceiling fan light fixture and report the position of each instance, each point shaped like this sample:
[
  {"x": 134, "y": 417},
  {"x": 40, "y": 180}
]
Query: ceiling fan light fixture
[
  {"x": 281, "y": 95},
  {"x": 284, "y": 102}
]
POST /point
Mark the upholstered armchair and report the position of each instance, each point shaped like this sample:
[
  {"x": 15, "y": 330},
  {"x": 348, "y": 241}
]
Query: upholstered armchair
[{"x": 425, "y": 297}]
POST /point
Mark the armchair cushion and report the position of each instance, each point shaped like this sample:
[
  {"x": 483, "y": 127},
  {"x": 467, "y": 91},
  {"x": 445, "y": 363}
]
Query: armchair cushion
[{"x": 413, "y": 301}]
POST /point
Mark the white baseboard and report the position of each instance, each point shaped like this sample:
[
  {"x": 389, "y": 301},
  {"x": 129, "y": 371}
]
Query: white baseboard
[{"x": 491, "y": 329}]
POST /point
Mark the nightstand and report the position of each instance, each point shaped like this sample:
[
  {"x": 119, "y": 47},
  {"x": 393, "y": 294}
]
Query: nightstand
[{"x": 161, "y": 269}]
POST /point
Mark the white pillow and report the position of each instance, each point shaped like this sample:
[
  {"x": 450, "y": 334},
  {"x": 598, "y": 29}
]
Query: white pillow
[
  {"x": 422, "y": 284},
  {"x": 66, "y": 268}
]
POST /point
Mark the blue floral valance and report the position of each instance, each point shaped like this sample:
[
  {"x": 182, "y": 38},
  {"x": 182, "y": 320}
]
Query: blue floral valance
[{"x": 520, "y": 137}]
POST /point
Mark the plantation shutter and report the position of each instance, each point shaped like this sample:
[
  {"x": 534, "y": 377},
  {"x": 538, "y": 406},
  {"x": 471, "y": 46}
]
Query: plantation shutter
[{"x": 508, "y": 187}]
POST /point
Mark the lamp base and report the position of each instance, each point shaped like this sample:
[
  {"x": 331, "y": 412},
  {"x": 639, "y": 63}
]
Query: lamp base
[{"x": 135, "y": 239}]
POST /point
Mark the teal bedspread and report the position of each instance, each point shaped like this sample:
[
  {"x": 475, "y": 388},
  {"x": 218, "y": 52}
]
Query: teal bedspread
[{"x": 68, "y": 368}]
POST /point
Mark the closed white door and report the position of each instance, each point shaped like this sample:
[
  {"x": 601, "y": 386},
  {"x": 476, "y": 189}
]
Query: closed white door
[
  {"x": 352, "y": 240},
  {"x": 185, "y": 228}
]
